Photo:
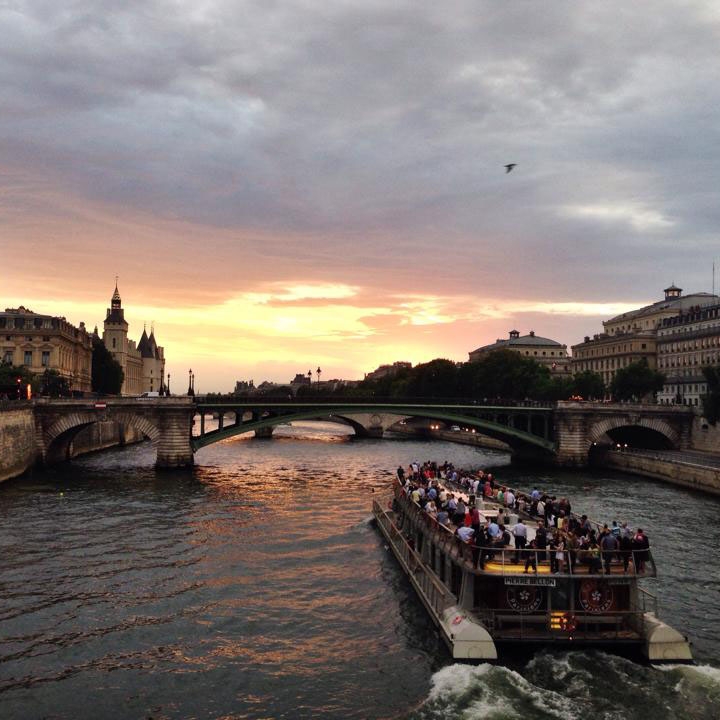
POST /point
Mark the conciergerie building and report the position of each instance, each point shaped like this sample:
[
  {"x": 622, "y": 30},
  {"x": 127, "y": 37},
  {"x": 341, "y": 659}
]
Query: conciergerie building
[{"x": 45, "y": 342}]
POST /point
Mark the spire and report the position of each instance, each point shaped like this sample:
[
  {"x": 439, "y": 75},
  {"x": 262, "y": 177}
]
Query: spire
[{"x": 116, "y": 303}]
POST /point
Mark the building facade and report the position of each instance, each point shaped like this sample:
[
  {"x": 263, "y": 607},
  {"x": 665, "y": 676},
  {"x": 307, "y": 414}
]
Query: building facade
[
  {"x": 384, "y": 371},
  {"x": 45, "y": 342},
  {"x": 143, "y": 364},
  {"x": 686, "y": 343},
  {"x": 633, "y": 336},
  {"x": 547, "y": 352}
]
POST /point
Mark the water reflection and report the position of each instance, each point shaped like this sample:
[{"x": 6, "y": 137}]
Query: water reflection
[{"x": 253, "y": 585}]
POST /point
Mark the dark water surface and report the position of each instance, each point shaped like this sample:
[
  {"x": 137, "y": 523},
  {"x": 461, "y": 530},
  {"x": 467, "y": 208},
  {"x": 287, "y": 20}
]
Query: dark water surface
[{"x": 254, "y": 586}]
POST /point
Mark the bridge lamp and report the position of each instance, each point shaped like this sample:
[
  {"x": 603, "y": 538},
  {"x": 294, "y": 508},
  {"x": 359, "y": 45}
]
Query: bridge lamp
[{"x": 318, "y": 371}]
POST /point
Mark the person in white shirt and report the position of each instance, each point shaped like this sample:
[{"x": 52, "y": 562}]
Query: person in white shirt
[{"x": 520, "y": 534}]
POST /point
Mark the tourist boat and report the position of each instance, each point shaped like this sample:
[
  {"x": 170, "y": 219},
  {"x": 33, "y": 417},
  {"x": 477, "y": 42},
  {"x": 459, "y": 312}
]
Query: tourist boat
[{"x": 480, "y": 611}]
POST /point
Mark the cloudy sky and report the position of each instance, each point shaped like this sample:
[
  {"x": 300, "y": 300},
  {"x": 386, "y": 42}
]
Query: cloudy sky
[{"x": 282, "y": 185}]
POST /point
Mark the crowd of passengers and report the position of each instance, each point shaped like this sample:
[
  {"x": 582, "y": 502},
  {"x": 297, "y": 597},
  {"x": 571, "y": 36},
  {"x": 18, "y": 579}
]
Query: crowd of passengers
[{"x": 561, "y": 539}]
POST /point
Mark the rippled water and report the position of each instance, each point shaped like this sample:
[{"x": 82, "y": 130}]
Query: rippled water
[{"x": 254, "y": 586}]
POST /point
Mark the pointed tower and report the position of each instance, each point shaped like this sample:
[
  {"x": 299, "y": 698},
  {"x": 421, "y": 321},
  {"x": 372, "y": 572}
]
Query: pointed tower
[{"x": 115, "y": 331}]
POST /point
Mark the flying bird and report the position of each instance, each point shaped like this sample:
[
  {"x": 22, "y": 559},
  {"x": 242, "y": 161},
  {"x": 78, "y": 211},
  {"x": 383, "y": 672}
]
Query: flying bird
[{"x": 509, "y": 167}]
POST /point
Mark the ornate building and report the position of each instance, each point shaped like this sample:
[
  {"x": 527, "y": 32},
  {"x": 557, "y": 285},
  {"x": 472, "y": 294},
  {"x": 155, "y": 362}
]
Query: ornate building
[
  {"x": 686, "y": 343},
  {"x": 633, "y": 336},
  {"x": 44, "y": 342},
  {"x": 543, "y": 350},
  {"x": 144, "y": 363}
]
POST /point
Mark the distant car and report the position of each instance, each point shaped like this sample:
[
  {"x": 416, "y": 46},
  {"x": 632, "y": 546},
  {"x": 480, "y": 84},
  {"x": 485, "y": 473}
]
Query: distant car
[
  {"x": 455, "y": 428},
  {"x": 150, "y": 394}
]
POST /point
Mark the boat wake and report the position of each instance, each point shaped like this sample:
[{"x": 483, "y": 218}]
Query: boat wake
[{"x": 571, "y": 685}]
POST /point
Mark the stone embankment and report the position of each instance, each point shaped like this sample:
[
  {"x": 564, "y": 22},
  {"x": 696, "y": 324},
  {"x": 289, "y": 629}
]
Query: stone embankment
[
  {"x": 19, "y": 447},
  {"x": 691, "y": 472},
  {"x": 462, "y": 437},
  {"x": 17, "y": 440}
]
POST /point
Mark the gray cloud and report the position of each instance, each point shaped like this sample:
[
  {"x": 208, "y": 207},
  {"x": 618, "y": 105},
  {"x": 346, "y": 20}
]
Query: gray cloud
[{"x": 382, "y": 130}]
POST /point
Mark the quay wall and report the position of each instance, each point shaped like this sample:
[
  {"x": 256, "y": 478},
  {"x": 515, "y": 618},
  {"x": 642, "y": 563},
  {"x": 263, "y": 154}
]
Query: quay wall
[
  {"x": 461, "y": 438},
  {"x": 18, "y": 452},
  {"x": 697, "y": 477},
  {"x": 18, "y": 439},
  {"x": 705, "y": 437}
]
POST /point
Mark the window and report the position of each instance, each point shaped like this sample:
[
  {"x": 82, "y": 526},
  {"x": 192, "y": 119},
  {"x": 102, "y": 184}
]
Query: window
[
  {"x": 46, "y": 358},
  {"x": 28, "y": 357},
  {"x": 113, "y": 343},
  {"x": 46, "y": 338},
  {"x": 8, "y": 357}
]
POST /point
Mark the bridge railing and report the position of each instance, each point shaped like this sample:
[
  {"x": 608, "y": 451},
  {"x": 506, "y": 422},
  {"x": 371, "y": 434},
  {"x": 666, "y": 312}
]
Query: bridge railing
[{"x": 212, "y": 401}]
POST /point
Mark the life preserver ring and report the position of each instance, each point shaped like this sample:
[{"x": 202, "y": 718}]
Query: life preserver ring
[{"x": 457, "y": 619}]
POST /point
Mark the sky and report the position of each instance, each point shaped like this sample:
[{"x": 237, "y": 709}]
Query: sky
[{"x": 281, "y": 186}]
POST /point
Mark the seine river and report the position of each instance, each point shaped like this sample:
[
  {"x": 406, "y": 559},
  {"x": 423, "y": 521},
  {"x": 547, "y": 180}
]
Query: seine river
[{"x": 255, "y": 586}]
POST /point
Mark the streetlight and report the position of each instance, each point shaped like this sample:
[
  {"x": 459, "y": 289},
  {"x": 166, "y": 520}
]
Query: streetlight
[
  {"x": 167, "y": 388},
  {"x": 190, "y": 391},
  {"x": 318, "y": 371},
  {"x": 309, "y": 377}
]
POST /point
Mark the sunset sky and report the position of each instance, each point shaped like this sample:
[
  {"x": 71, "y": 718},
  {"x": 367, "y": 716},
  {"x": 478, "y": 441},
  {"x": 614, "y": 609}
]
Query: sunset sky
[{"x": 282, "y": 185}]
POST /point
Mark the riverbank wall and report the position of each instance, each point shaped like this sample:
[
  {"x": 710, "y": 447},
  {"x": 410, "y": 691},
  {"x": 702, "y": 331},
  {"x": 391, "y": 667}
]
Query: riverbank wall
[
  {"x": 698, "y": 477},
  {"x": 462, "y": 437},
  {"x": 18, "y": 452},
  {"x": 19, "y": 448}
]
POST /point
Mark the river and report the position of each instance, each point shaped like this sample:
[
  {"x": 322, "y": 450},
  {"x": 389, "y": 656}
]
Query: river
[{"x": 255, "y": 586}]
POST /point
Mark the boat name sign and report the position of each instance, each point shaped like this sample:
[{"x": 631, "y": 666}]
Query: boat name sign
[{"x": 536, "y": 581}]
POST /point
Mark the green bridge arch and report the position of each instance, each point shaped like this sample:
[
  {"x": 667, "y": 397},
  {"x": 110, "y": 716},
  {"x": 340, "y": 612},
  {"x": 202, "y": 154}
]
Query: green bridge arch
[{"x": 481, "y": 417}]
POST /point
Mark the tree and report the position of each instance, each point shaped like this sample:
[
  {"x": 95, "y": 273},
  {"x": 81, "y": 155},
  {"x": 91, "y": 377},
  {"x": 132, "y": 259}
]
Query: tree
[
  {"x": 711, "y": 401},
  {"x": 14, "y": 381},
  {"x": 589, "y": 385},
  {"x": 636, "y": 381},
  {"x": 107, "y": 375},
  {"x": 504, "y": 375},
  {"x": 437, "y": 378},
  {"x": 52, "y": 383}
]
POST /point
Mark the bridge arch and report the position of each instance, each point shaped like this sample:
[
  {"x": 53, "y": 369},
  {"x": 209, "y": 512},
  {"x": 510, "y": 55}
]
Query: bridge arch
[
  {"x": 58, "y": 438},
  {"x": 646, "y": 430}
]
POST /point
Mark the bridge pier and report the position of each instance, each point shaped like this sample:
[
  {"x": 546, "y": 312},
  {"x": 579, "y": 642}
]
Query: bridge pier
[
  {"x": 265, "y": 432},
  {"x": 174, "y": 444}
]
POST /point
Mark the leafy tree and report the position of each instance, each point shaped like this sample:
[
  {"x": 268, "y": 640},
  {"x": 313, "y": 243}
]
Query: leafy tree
[
  {"x": 52, "y": 383},
  {"x": 711, "y": 401},
  {"x": 588, "y": 384},
  {"x": 504, "y": 375},
  {"x": 437, "y": 378},
  {"x": 636, "y": 381},
  {"x": 9, "y": 385},
  {"x": 554, "y": 388},
  {"x": 107, "y": 375}
]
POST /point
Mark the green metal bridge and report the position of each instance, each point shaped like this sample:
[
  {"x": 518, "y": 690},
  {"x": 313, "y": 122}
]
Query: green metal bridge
[{"x": 518, "y": 425}]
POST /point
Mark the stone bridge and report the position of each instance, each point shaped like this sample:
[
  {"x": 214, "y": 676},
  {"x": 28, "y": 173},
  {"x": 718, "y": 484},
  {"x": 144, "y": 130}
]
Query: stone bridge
[{"x": 562, "y": 434}]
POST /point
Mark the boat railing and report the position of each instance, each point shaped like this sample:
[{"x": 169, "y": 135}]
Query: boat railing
[
  {"x": 435, "y": 592},
  {"x": 506, "y": 560},
  {"x": 609, "y": 625}
]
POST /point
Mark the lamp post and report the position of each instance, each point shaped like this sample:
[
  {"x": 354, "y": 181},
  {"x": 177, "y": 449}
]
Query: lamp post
[
  {"x": 309, "y": 377},
  {"x": 190, "y": 382},
  {"x": 318, "y": 371},
  {"x": 167, "y": 387}
]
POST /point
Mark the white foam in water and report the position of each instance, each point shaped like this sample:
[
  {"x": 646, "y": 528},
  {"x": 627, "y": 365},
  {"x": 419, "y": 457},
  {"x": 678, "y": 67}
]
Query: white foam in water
[
  {"x": 705, "y": 671},
  {"x": 456, "y": 679}
]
